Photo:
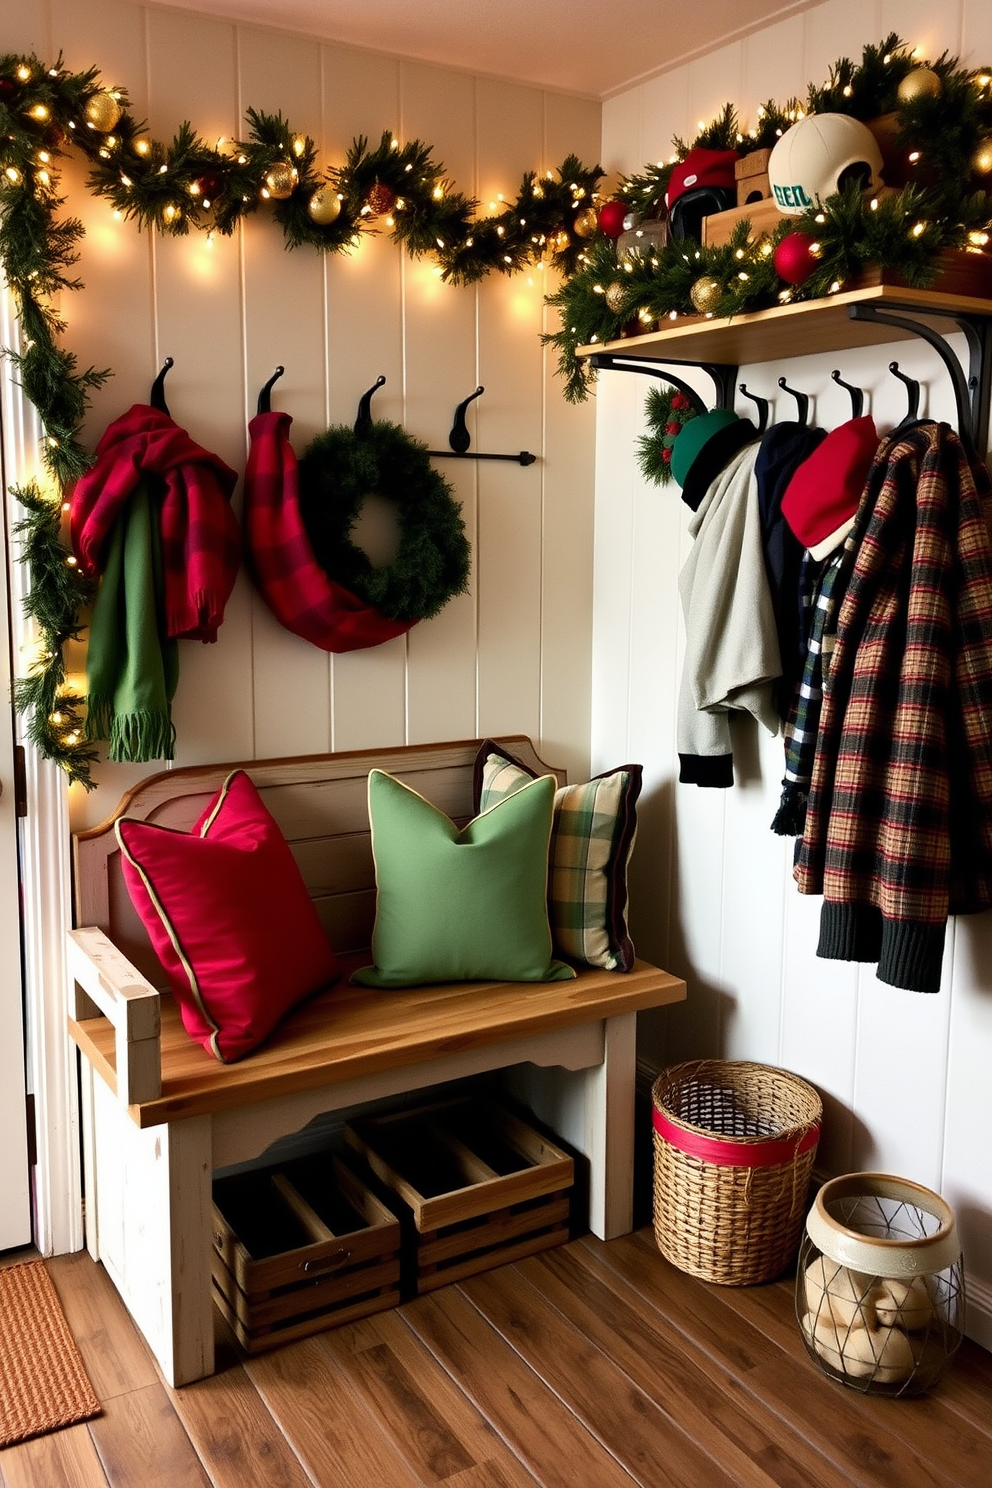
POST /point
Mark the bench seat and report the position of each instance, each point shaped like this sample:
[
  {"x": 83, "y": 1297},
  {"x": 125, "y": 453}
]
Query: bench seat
[{"x": 160, "y": 1115}]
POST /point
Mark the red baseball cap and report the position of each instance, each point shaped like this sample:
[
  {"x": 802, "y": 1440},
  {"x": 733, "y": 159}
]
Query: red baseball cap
[
  {"x": 823, "y": 496},
  {"x": 699, "y": 169}
]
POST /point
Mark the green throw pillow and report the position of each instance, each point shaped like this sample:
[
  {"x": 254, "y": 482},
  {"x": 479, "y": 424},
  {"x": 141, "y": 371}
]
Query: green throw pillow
[{"x": 460, "y": 904}]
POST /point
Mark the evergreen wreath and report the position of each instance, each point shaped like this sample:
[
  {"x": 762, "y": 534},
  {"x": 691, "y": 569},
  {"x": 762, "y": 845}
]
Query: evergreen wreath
[
  {"x": 666, "y": 412},
  {"x": 337, "y": 471}
]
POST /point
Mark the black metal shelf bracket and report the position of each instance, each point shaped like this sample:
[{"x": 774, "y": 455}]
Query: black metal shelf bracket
[
  {"x": 723, "y": 374},
  {"x": 971, "y": 392}
]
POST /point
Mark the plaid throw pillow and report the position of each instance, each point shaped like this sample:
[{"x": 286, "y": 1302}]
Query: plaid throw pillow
[{"x": 591, "y": 840}]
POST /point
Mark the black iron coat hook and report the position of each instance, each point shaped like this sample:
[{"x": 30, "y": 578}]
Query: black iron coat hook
[
  {"x": 857, "y": 394},
  {"x": 157, "y": 395},
  {"x": 459, "y": 439},
  {"x": 264, "y": 404},
  {"x": 760, "y": 403},
  {"x": 802, "y": 401}
]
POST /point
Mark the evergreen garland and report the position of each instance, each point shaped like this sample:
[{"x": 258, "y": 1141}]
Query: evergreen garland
[
  {"x": 188, "y": 184},
  {"x": 666, "y": 412}
]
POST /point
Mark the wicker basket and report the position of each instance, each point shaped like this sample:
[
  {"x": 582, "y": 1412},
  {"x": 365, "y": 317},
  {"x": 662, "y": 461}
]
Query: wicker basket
[{"x": 734, "y": 1145}]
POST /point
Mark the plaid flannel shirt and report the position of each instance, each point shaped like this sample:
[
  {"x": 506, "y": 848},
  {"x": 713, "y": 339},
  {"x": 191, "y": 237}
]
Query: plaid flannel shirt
[{"x": 899, "y": 820}]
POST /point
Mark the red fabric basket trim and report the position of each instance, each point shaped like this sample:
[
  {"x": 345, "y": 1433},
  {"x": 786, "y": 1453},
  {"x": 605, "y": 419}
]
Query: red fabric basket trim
[{"x": 736, "y": 1154}]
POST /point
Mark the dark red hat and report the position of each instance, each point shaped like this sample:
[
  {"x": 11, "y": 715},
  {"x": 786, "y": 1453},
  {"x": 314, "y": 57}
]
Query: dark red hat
[
  {"x": 823, "y": 496},
  {"x": 701, "y": 168}
]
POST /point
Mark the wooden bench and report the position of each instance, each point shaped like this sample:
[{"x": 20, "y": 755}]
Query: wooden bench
[{"x": 160, "y": 1115}]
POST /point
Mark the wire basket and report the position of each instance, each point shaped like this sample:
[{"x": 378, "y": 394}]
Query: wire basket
[
  {"x": 880, "y": 1284},
  {"x": 734, "y": 1145}
]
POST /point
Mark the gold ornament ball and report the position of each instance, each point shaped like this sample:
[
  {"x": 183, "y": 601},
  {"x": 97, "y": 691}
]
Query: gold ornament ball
[
  {"x": 981, "y": 161},
  {"x": 920, "y": 83},
  {"x": 324, "y": 206},
  {"x": 705, "y": 293},
  {"x": 586, "y": 222},
  {"x": 614, "y": 296},
  {"x": 280, "y": 179},
  {"x": 103, "y": 111}
]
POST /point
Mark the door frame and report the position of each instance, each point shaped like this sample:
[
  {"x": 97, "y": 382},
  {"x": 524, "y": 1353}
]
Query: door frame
[{"x": 44, "y": 844}]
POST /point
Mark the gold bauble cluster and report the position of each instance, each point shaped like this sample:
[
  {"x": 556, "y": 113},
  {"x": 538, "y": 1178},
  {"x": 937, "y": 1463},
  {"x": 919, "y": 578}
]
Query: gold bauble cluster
[
  {"x": 614, "y": 295},
  {"x": 280, "y": 178},
  {"x": 920, "y": 83},
  {"x": 981, "y": 161},
  {"x": 586, "y": 222},
  {"x": 103, "y": 111},
  {"x": 324, "y": 206},
  {"x": 705, "y": 293}
]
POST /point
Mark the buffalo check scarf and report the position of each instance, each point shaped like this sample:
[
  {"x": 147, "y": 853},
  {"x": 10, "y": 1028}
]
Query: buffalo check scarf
[
  {"x": 296, "y": 589},
  {"x": 192, "y": 491},
  {"x": 153, "y": 518}
]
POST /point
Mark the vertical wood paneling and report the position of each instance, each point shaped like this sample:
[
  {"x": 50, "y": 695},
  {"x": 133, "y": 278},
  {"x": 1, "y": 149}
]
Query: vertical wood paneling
[
  {"x": 839, "y": 28},
  {"x": 284, "y": 325},
  {"x": 510, "y": 129},
  {"x": 364, "y": 341},
  {"x": 192, "y": 70},
  {"x": 569, "y": 431},
  {"x": 440, "y": 368}
]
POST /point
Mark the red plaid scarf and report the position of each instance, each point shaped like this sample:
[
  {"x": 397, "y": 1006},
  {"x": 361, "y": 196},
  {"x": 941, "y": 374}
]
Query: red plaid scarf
[
  {"x": 899, "y": 822},
  {"x": 294, "y": 586},
  {"x": 199, "y": 529}
]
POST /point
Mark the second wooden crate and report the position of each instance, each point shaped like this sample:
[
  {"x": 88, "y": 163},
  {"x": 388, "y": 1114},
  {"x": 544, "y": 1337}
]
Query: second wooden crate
[
  {"x": 299, "y": 1249},
  {"x": 480, "y": 1185}
]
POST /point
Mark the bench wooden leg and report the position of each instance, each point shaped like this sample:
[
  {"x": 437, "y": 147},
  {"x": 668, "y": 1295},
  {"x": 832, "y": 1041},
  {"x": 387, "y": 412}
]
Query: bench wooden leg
[
  {"x": 152, "y": 1223},
  {"x": 593, "y": 1109}
]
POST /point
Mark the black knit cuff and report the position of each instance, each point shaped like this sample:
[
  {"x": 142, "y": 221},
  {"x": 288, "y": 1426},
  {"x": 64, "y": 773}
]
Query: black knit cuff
[
  {"x": 850, "y": 932},
  {"x": 707, "y": 769},
  {"x": 911, "y": 955}
]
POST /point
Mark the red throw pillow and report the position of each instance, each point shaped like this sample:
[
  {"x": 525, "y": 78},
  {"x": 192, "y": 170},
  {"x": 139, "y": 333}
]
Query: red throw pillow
[{"x": 229, "y": 916}]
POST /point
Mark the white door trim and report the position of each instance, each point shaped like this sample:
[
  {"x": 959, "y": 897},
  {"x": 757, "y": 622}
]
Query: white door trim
[{"x": 45, "y": 873}]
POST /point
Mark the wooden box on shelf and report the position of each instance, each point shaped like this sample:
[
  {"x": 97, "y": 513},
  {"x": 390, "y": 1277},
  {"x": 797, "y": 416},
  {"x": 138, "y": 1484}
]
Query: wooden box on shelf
[
  {"x": 751, "y": 174},
  {"x": 764, "y": 216},
  {"x": 960, "y": 273},
  {"x": 300, "y": 1248},
  {"x": 481, "y": 1187}
]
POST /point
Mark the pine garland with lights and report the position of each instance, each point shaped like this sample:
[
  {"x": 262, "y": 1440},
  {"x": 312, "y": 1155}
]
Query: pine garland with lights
[
  {"x": 944, "y": 127},
  {"x": 57, "y": 595},
  {"x": 666, "y": 412}
]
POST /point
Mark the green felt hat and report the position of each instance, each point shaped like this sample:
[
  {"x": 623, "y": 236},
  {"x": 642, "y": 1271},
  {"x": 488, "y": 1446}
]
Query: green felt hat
[{"x": 704, "y": 447}]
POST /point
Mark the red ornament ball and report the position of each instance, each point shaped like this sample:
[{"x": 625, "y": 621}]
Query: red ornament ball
[
  {"x": 794, "y": 259},
  {"x": 211, "y": 184},
  {"x": 381, "y": 199},
  {"x": 610, "y": 218},
  {"x": 8, "y": 88}
]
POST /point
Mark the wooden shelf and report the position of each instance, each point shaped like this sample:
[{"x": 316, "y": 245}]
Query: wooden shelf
[{"x": 789, "y": 330}]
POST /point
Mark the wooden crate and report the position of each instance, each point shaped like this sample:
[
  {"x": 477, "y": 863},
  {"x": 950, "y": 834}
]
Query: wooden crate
[
  {"x": 301, "y": 1248},
  {"x": 764, "y": 216},
  {"x": 481, "y": 1187},
  {"x": 960, "y": 273}
]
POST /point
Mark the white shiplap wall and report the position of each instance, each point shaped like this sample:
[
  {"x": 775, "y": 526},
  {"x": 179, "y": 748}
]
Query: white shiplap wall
[
  {"x": 514, "y": 653},
  {"x": 905, "y": 1077}
]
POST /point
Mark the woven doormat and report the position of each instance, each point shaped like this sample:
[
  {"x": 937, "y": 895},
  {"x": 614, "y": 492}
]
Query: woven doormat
[{"x": 43, "y": 1384}]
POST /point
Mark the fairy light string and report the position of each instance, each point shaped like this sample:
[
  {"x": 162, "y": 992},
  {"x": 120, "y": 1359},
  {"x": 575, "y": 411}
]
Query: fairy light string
[{"x": 190, "y": 185}]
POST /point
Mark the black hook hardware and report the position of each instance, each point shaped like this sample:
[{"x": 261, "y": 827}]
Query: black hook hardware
[
  {"x": 802, "y": 401},
  {"x": 264, "y": 400},
  {"x": 157, "y": 396},
  {"x": 459, "y": 439},
  {"x": 912, "y": 395},
  {"x": 364, "y": 418},
  {"x": 762, "y": 406},
  {"x": 857, "y": 394}
]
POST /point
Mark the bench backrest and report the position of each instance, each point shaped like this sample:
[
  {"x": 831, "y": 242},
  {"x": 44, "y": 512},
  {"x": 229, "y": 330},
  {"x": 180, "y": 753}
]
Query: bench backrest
[{"x": 320, "y": 802}]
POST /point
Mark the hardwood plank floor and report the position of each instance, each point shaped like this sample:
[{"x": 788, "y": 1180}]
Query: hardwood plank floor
[{"x": 590, "y": 1366}]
